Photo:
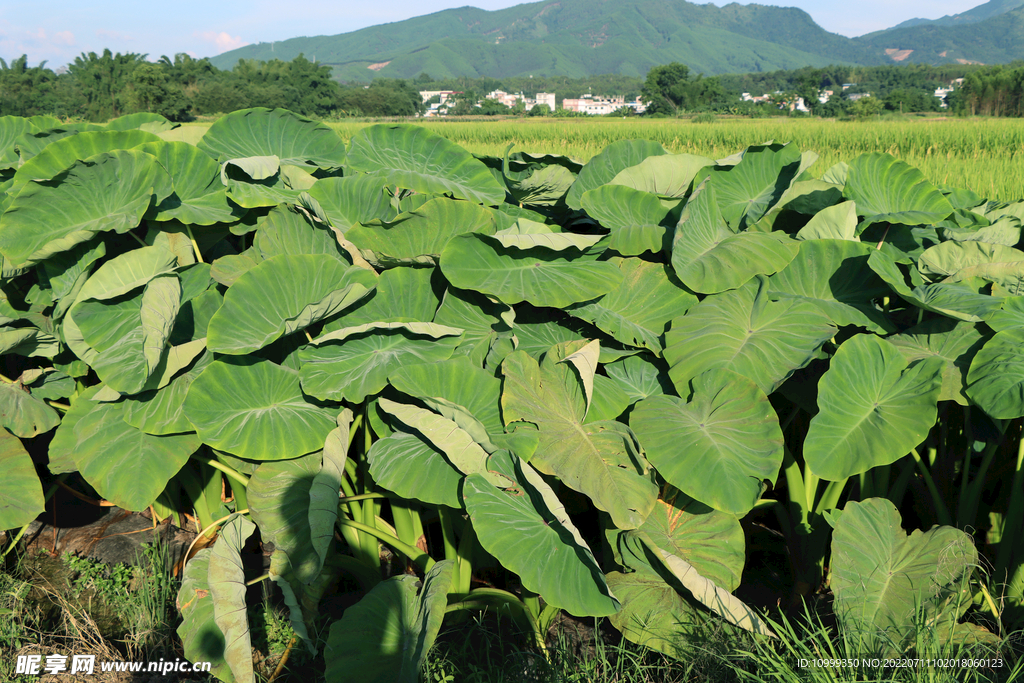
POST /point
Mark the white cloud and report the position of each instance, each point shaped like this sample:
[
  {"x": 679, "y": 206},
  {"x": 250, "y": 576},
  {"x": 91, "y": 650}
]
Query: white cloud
[
  {"x": 65, "y": 37},
  {"x": 222, "y": 40}
]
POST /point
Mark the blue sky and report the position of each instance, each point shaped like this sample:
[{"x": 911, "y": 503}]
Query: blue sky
[{"x": 59, "y": 30}]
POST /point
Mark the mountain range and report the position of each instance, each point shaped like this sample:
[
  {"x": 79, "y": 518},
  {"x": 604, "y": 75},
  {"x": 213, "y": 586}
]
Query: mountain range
[{"x": 578, "y": 38}]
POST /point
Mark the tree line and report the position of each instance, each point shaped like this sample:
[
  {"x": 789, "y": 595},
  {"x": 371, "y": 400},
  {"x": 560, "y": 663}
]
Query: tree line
[{"x": 99, "y": 87}]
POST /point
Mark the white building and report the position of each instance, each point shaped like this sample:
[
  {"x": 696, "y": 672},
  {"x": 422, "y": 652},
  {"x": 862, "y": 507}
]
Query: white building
[{"x": 599, "y": 106}]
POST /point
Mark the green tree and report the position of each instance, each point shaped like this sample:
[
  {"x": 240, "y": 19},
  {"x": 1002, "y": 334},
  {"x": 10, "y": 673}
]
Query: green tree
[
  {"x": 103, "y": 80},
  {"x": 150, "y": 90},
  {"x": 867, "y": 107}
]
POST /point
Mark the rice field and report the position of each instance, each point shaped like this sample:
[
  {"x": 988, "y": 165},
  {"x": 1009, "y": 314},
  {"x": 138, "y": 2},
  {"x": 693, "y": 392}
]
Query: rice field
[{"x": 984, "y": 155}]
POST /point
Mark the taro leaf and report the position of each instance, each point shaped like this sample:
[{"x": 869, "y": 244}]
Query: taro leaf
[
  {"x": 709, "y": 256},
  {"x": 199, "y": 197},
  {"x": 807, "y": 197},
  {"x": 282, "y": 295},
  {"x": 951, "y": 300},
  {"x": 352, "y": 200},
  {"x": 127, "y": 272},
  {"x": 125, "y": 465},
  {"x": 526, "y": 528},
  {"x": 286, "y": 231},
  {"x": 65, "y": 270},
  {"x": 887, "y": 190},
  {"x": 637, "y": 220},
  {"x": 606, "y": 165},
  {"x": 539, "y": 276},
  {"x": 115, "y": 339},
  {"x": 142, "y": 120},
  {"x": 1007, "y": 278},
  {"x": 279, "y": 495},
  {"x": 28, "y": 341},
  {"x": 486, "y": 331},
  {"x": 255, "y": 411},
  {"x": 201, "y": 638},
  {"x": 835, "y": 222},
  {"x": 420, "y": 235},
  {"x": 227, "y": 269},
  {"x": 458, "y": 446},
  {"x": 638, "y": 377},
  {"x": 600, "y": 459},
  {"x": 1011, "y": 315},
  {"x": 538, "y": 179},
  {"x": 709, "y": 540},
  {"x": 455, "y": 382},
  {"x": 995, "y": 381},
  {"x": 402, "y": 295},
  {"x": 667, "y": 175},
  {"x": 746, "y": 333},
  {"x": 21, "y": 499},
  {"x": 354, "y": 362},
  {"x": 385, "y": 637},
  {"x": 874, "y": 407},
  {"x": 227, "y": 588},
  {"x": 324, "y": 491},
  {"x": 956, "y": 343},
  {"x": 62, "y": 447},
  {"x": 23, "y": 414},
  {"x": 415, "y": 158},
  {"x": 161, "y": 301},
  {"x": 886, "y": 582},
  {"x": 834, "y": 275},
  {"x": 250, "y": 188},
  {"x": 392, "y": 458},
  {"x": 65, "y": 152},
  {"x": 109, "y": 191},
  {"x": 524, "y": 237},
  {"x": 949, "y": 258},
  {"x": 295, "y": 140},
  {"x": 746, "y": 191},
  {"x": 161, "y": 411},
  {"x": 727, "y": 431},
  {"x": 11, "y": 128},
  {"x": 654, "y": 613},
  {"x": 637, "y": 313}
]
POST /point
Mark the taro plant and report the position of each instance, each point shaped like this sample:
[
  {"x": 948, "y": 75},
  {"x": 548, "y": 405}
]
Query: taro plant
[{"x": 518, "y": 383}]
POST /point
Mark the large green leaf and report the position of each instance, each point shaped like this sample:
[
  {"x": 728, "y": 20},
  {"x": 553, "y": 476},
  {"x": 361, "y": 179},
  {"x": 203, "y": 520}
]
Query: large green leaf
[
  {"x": 415, "y": 158},
  {"x": 392, "y": 458},
  {"x": 255, "y": 411},
  {"x": 744, "y": 192},
  {"x": 110, "y": 191},
  {"x": 420, "y": 235},
  {"x": 458, "y": 382},
  {"x": 131, "y": 270},
  {"x": 744, "y": 331},
  {"x": 834, "y": 275},
  {"x": 295, "y": 140},
  {"x": 199, "y": 196},
  {"x": 887, "y": 583},
  {"x": 539, "y": 276},
  {"x": 279, "y": 500},
  {"x": 606, "y": 165},
  {"x": 290, "y": 293},
  {"x": 667, "y": 175},
  {"x": 160, "y": 410},
  {"x": 528, "y": 531},
  {"x": 638, "y": 312},
  {"x": 487, "y": 334},
  {"x": 638, "y": 377},
  {"x": 727, "y": 431},
  {"x": 892, "y": 191},
  {"x": 837, "y": 222},
  {"x": 709, "y": 256},
  {"x": 949, "y": 258},
  {"x": 23, "y": 414},
  {"x": 996, "y": 378},
  {"x": 227, "y": 588},
  {"x": 385, "y": 637},
  {"x": 600, "y": 459},
  {"x": 354, "y": 362},
  {"x": 401, "y": 295},
  {"x": 125, "y": 465},
  {"x": 201, "y": 638},
  {"x": 956, "y": 343},
  {"x": 287, "y": 231},
  {"x": 638, "y": 221},
  {"x": 873, "y": 408},
  {"x": 353, "y": 199},
  {"x": 65, "y": 152},
  {"x": 22, "y": 495}
]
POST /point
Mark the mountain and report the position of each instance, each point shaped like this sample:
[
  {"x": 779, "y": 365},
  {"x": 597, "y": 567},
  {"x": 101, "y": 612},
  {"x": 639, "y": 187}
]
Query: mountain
[
  {"x": 994, "y": 40},
  {"x": 992, "y": 8},
  {"x": 579, "y": 38},
  {"x": 574, "y": 38}
]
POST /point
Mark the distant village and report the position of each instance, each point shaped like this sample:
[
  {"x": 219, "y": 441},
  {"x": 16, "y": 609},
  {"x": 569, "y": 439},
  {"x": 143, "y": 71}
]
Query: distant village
[
  {"x": 439, "y": 101},
  {"x": 588, "y": 104}
]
